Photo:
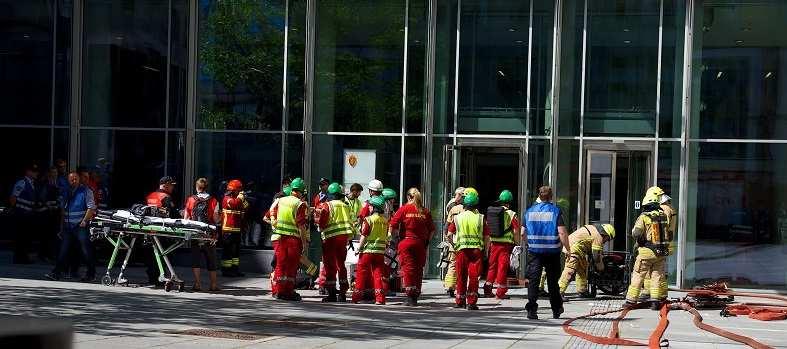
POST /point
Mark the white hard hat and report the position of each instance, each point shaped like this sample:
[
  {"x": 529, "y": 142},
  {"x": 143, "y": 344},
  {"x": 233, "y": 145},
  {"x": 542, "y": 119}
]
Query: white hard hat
[
  {"x": 375, "y": 185},
  {"x": 460, "y": 190},
  {"x": 665, "y": 198}
]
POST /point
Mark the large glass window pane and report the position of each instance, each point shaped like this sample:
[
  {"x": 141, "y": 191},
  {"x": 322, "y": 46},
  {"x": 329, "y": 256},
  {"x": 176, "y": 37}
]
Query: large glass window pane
[
  {"x": 670, "y": 113},
  {"x": 125, "y": 63},
  {"x": 359, "y": 65},
  {"x": 742, "y": 65},
  {"x": 668, "y": 177},
  {"x": 293, "y": 156},
  {"x": 414, "y": 159},
  {"x": 622, "y": 66},
  {"x": 374, "y": 157},
  {"x": 26, "y": 62},
  {"x": 570, "y": 88},
  {"x": 566, "y": 189},
  {"x": 737, "y": 212},
  {"x": 14, "y": 162},
  {"x": 130, "y": 163},
  {"x": 296, "y": 53},
  {"x": 178, "y": 63},
  {"x": 493, "y": 65},
  {"x": 417, "y": 17},
  {"x": 241, "y": 58},
  {"x": 63, "y": 63},
  {"x": 445, "y": 65},
  {"x": 538, "y": 160},
  {"x": 541, "y": 70}
]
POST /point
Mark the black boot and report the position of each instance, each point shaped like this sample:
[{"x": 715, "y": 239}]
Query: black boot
[
  {"x": 236, "y": 271},
  {"x": 341, "y": 297},
  {"x": 656, "y": 305},
  {"x": 331, "y": 297}
]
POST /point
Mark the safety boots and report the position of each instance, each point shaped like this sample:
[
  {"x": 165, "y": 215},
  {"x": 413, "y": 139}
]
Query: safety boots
[
  {"x": 488, "y": 291},
  {"x": 331, "y": 297}
]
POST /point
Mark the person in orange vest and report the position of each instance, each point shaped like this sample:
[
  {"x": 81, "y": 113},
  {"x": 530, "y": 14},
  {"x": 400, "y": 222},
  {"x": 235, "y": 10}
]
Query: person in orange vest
[
  {"x": 336, "y": 227},
  {"x": 161, "y": 199},
  {"x": 371, "y": 270},
  {"x": 233, "y": 207},
  {"x": 472, "y": 238},
  {"x": 414, "y": 221},
  {"x": 288, "y": 217}
]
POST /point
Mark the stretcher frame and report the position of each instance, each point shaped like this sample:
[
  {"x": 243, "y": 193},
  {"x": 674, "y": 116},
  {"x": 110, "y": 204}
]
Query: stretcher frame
[{"x": 123, "y": 236}]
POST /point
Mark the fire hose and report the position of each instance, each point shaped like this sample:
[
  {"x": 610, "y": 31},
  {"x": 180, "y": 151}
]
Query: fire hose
[{"x": 655, "y": 340}]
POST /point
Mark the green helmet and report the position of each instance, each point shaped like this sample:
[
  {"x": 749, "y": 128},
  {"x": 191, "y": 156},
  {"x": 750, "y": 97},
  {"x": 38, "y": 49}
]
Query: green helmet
[
  {"x": 297, "y": 184},
  {"x": 334, "y": 188},
  {"x": 506, "y": 196},
  {"x": 389, "y": 194},
  {"x": 470, "y": 200},
  {"x": 287, "y": 190},
  {"x": 377, "y": 202}
]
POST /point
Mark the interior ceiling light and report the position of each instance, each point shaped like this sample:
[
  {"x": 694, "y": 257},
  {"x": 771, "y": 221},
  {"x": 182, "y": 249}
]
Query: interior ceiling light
[
  {"x": 119, "y": 37},
  {"x": 719, "y": 74},
  {"x": 501, "y": 73},
  {"x": 519, "y": 41},
  {"x": 626, "y": 30},
  {"x": 511, "y": 29},
  {"x": 768, "y": 74},
  {"x": 738, "y": 42},
  {"x": 626, "y": 41}
]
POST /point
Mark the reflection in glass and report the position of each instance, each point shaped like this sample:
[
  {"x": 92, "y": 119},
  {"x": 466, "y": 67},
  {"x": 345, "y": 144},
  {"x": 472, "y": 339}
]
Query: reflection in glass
[
  {"x": 622, "y": 66},
  {"x": 538, "y": 163},
  {"x": 541, "y": 71},
  {"x": 178, "y": 63},
  {"x": 570, "y": 88},
  {"x": 296, "y": 53},
  {"x": 241, "y": 59},
  {"x": 26, "y": 62},
  {"x": 493, "y": 53},
  {"x": 125, "y": 68},
  {"x": 130, "y": 162},
  {"x": 417, "y": 17},
  {"x": 566, "y": 188},
  {"x": 14, "y": 162},
  {"x": 670, "y": 112},
  {"x": 743, "y": 91},
  {"x": 445, "y": 55},
  {"x": 414, "y": 159},
  {"x": 359, "y": 65},
  {"x": 600, "y": 190},
  {"x": 737, "y": 214}
]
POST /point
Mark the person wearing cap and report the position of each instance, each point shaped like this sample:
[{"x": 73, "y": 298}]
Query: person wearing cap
[
  {"x": 371, "y": 270},
  {"x": 288, "y": 216},
  {"x": 336, "y": 228},
  {"x": 587, "y": 241},
  {"x": 502, "y": 246},
  {"x": 413, "y": 225},
  {"x": 24, "y": 202},
  {"x": 322, "y": 195},
  {"x": 472, "y": 238},
  {"x": 375, "y": 189},
  {"x": 451, "y": 210},
  {"x": 233, "y": 209},
  {"x": 162, "y": 200},
  {"x": 546, "y": 234}
]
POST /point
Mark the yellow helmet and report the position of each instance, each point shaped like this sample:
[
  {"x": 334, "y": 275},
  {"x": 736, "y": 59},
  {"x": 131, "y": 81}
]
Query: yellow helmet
[
  {"x": 653, "y": 195},
  {"x": 610, "y": 230},
  {"x": 471, "y": 191},
  {"x": 655, "y": 191}
]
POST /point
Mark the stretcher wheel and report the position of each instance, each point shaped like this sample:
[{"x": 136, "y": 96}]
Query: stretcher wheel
[
  {"x": 106, "y": 280},
  {"x": 168, "y": 286},
  {"x": 181, "y": 286}
]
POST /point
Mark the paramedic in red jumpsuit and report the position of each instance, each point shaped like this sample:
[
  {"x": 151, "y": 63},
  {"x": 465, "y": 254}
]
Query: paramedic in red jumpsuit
[{"x": 415, "y": 227}]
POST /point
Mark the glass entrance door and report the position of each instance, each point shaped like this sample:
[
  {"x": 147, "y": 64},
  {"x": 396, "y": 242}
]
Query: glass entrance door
[{"x": 615, "y": 181}]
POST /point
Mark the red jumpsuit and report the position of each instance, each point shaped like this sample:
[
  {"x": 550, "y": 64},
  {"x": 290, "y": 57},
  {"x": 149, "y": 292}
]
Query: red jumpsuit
[
  {"x": 415, "y": 229},
  {"x": 334, "y": 252},
  {"x": 371, "y": 271},
  {"x": 499, "y": 261},
  {"x": 469, "y": 262},
  {"x": 287, "y": 252}
]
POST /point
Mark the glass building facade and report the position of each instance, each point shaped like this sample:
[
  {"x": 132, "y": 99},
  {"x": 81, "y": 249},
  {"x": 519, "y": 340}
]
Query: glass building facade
[{"x": 600, "y": 99}]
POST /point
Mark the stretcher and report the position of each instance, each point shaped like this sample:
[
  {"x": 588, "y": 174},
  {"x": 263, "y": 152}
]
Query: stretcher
[{"x": 122, "y": 229}]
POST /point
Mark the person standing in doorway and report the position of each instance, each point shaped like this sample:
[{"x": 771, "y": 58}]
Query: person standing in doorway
[{"x": 546, "y": 235}]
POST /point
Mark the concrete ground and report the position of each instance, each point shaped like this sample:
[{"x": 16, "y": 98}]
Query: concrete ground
[{"x": 141, "y": 317}]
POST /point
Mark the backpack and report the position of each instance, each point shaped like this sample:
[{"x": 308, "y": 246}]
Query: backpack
[
  {"x": 496, "y": 220},
  {"x": 657, "y": 234},
  {"x": 200, "y": 210}
]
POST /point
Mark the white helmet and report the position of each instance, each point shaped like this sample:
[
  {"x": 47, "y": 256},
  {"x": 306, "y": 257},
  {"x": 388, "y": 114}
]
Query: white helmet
[
  {"x": 375, "y": 185},
  {"x": 665, "y": 198}
]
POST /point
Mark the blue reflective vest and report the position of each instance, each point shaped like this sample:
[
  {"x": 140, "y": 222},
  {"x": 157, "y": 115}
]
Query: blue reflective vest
[
  {"x": 76, "y": 206},
  {"x": 26, "y": 198},
  {"x": 541, "y": 222}
]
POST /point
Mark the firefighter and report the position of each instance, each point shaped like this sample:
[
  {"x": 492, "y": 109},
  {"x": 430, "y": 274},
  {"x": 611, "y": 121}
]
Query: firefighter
[
  {"x": 502, "y": 244},
  {"x": 162, "y": 200},
  {"x": 289, "y": 219},
  {"x": 472, "y": 237},
  {"x": 452, "y": 209},
  {"x": 336, "y": 228},
  {"x": 371, "y": 270},
  {"x": 233, "y": 208},
  {"x": 587, "y": 241},
  {"x": 413, "y": 223},
  {"x": 653, "y": 236}
]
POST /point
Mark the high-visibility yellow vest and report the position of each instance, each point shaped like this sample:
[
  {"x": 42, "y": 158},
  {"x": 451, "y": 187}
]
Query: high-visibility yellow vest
[
  {"x": 508, "y": 236},
  {"x": 377, "y": 240},
  {"x": 469, "y": 230},
  {"x": 340, "y": 221},
  {"x": 355, "y": 206},
  {"x": 285, "y": 222}
]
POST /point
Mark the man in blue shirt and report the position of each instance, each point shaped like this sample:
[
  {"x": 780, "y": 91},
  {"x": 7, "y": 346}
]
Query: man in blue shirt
[
  {"x": 24, "y": 203},
  {"x": 79, "y": 209},
  {"x": 546, "y": 235}
]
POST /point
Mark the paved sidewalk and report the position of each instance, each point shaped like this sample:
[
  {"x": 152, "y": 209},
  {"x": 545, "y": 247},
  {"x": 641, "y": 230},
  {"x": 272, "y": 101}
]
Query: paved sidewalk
[{"x": 127, "y": 317}]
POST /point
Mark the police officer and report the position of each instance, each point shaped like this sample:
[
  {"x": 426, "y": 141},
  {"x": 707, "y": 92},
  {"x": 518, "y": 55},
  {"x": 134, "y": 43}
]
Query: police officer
[
  {"x": 80, "y": 207},
  {"x": 546, "y": 235},
  {"x": 23, "y": 202}
]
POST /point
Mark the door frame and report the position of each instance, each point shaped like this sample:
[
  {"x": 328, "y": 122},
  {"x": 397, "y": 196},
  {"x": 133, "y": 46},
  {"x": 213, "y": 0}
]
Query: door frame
[{"x": 616, "y": 148}]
